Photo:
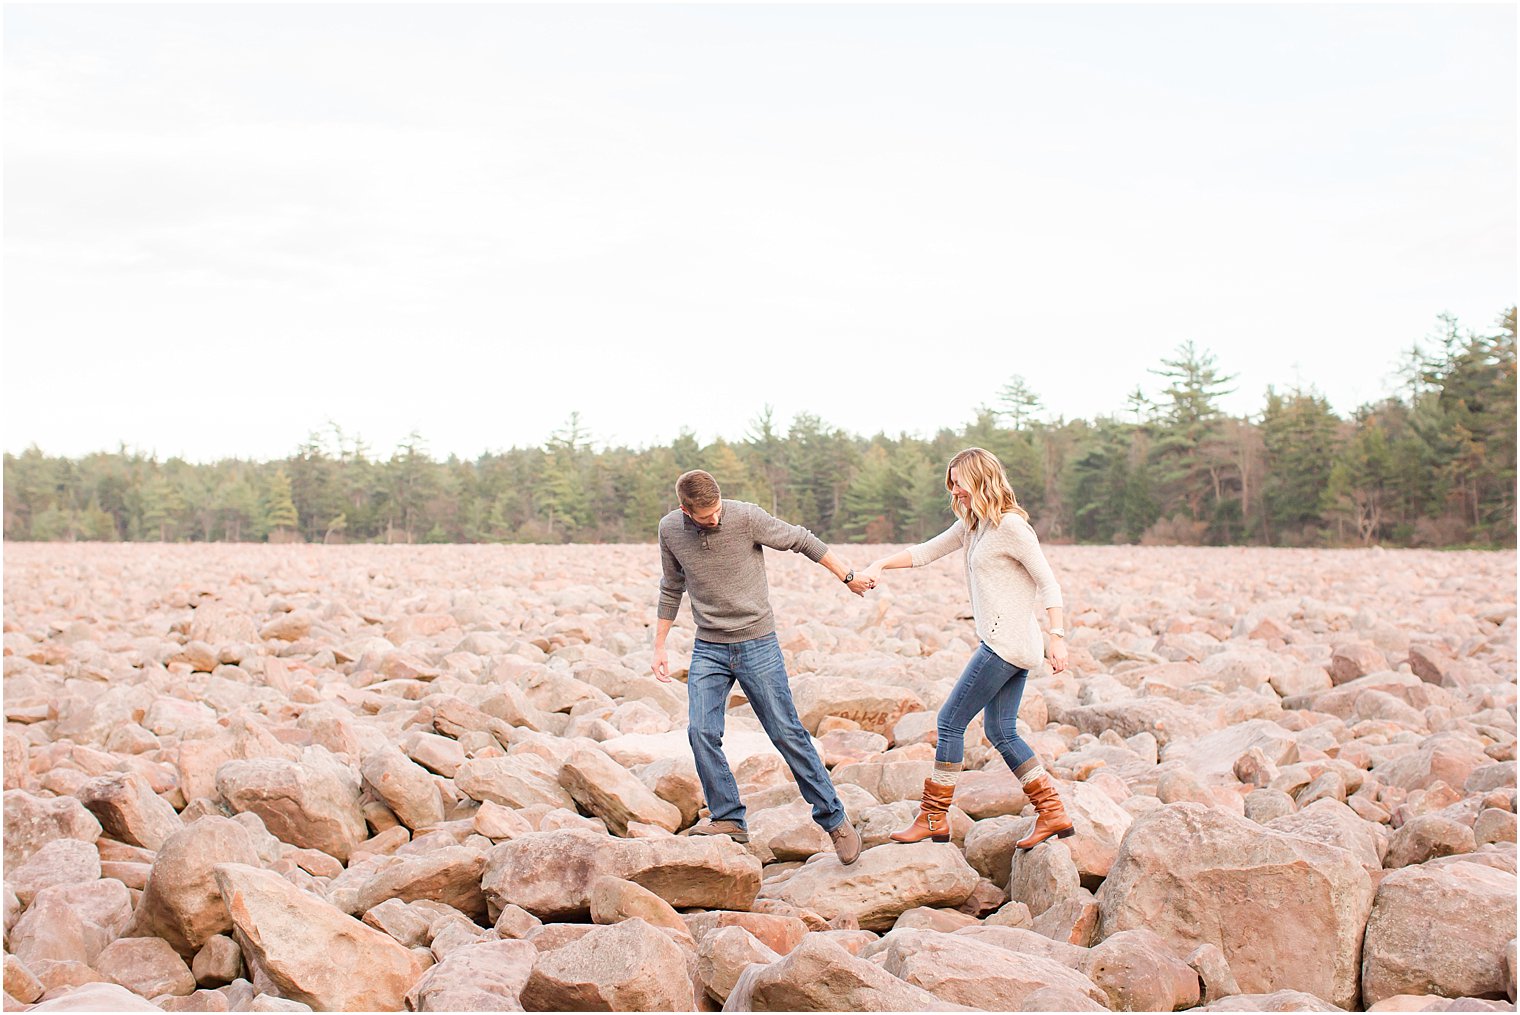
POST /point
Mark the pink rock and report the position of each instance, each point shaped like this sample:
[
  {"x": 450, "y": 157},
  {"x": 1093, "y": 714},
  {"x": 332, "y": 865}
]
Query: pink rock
[
  {"x": 312, "y": 803},
  {"x": 882, "y": 884},
  {"x": 146, "y": 966},
  {"x": 820, "y": 975},
  {"x": 550, "y": 873},
  {"x": 1138, "y": 972},
  {"x": 289, "y": 939},
  {"x": 59, "y": 862},
  {"x": 629, "y": 966},
  {"x": 1355, "y": 659},
  {"x": 31, "y": 821},
  {"x": 724, "y": 954},
  {"x": 129, "y": 810},
  {"x": 182, "y": 903},
  {"x": 974, "y": 972},
  {"x": 1474, "y": 907},
  {"x": 71, "y": 922},
  {"x": 484, "y": 976},
  {"x": 96, "y": 997},
  {"x": 1193, "y": 875}
]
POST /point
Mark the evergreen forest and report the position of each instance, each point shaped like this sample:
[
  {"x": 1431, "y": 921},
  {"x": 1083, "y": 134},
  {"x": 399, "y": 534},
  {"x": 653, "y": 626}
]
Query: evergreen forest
[{"x": 1431, "y": 464}]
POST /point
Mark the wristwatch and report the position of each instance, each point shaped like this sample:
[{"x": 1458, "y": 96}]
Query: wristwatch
[
  {"x": 848, "y": 578},
  {"x": 1058, "y": 632}
]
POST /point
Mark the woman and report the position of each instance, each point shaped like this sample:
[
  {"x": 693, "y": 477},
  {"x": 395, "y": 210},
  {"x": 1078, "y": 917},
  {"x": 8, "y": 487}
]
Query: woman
[{"x": 1009, "y": 579}]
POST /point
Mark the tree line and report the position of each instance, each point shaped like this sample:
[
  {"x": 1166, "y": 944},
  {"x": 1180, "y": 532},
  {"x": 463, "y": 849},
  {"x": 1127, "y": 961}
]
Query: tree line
[{"x": 1432, "y": 464}]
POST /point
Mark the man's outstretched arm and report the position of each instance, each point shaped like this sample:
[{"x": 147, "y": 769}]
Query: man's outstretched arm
[{"x": 779, "y": 535}]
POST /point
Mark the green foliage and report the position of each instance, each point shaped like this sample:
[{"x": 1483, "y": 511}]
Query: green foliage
[
  {"x": 1433, "y": 465},
  {"x": 279, "y": 506}
]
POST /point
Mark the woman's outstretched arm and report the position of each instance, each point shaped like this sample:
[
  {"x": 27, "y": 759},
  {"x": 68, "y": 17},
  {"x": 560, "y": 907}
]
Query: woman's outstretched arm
[{"x": 924, "y": 553}]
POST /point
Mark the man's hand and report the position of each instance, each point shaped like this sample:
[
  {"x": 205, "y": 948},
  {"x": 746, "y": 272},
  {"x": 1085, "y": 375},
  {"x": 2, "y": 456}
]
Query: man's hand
[
  {"x": 860, "y": 584},
  {"x": 661, "y": 665},
  {"x": 1057, "y": 655}
]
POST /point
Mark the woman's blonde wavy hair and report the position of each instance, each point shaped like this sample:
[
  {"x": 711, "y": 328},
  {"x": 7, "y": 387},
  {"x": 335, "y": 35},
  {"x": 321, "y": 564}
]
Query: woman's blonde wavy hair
[{"x": 991, "y": 494}]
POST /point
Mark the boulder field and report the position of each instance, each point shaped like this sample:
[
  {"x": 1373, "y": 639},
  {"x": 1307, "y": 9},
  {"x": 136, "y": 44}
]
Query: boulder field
[{"x": 289, "y": 778}]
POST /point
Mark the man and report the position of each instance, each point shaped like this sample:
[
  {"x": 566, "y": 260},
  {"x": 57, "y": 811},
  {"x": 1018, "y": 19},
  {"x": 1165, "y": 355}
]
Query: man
[{"x": 713, "y": 550}]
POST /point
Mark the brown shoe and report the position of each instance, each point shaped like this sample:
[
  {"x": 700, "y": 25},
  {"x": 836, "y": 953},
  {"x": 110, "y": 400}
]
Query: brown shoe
[
  {"x": 932, "y": 822},
  {"x": 707, "y": 826},
  {"x": 846, "y": 842},
  {"x": 1050, "y": 817}
]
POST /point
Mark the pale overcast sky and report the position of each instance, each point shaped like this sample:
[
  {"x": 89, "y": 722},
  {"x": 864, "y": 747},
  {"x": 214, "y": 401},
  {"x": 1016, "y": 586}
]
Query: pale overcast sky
[{"x": 227, "y": 225}]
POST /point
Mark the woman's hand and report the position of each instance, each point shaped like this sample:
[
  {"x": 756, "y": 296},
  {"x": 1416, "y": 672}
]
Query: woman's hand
[
  {"x": 1057, "y": 655},
  {"x": 872, "y": 573}
]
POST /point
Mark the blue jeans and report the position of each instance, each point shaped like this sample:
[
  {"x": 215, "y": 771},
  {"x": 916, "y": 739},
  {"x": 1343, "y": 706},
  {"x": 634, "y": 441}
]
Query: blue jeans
[
  {"x": 989, "y": 682},
  {"x": 761, "y": 672}
]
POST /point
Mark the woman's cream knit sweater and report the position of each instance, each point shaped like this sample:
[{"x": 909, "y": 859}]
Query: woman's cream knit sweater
[{"x": 1009, "y": 580}]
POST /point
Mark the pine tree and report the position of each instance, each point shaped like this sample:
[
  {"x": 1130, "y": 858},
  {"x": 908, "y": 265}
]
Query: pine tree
[
  {"x": 279, "y": 509},
  {"x": 872, "y": 504},
  {"x": 1299, "y": 431},
  {"x": 563, "y": 497},
  {"x": 1019, "y": 402}
]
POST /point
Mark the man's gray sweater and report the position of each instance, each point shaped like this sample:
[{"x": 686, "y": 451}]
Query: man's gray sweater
[{"x": 723, "y": 569}]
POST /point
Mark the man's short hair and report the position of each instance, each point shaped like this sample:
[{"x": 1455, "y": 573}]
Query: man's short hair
[{"x": 697, "y": 489}]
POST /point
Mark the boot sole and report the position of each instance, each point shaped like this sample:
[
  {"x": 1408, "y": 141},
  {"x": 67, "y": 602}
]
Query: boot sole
[
  {"x": 736, "y": 836},
  {"x": 1053, "y": 835}
]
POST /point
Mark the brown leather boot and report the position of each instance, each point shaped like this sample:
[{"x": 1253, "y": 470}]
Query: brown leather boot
[
  {"x": 932, "y": 821},
  {"x": 1050, "y": 817}
]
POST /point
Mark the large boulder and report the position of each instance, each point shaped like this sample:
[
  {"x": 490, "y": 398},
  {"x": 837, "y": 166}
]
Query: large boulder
[
  {"x": 450, "y": 875},
  {"x": 820, "y": 975},
  {"x": 128, "y": 809},
  {"x": 32, "y": 820},
  {"x": 1445, "y": 757},
  {"x": 1439, "y": 930},
  {"x": 1212, "y": 757},
  {"x": 1026, "y": 942},
  {"x": 1286, "y": 911},
  {"x": 1098, "y": 826},
  {"x": 1426, "y": 836},
  {"x": 1163, "y": 718},
  {"x": 989, "y": 845},
  {"x": 723, "y": 955},
  {"x": 614, "y": 794},
  {"x": 521, "y": 780},
  {"x": 71, "y": 923},
  {"x": 629, "y": 966},
  {"x": 146, "y": 966},
  {"x": 95, "y": 997},
  {"x": 550, "y": 874},
  {"x": 675, "y": 781},
  {"x": 313, "y": 803},
  {"x": 1043, "y": 876},
  {"x": 875, "y": 707},
  {"x": 405, "y": 786},
  {"x": 1138, "y": 972},
  {"x": 974, "y": 972},
  {"x": 487, "y": 976},
  {"x": 777, "y": 932},
  {"x": 787, "y": 832},
  {"x": 614, "y": 900},
  {"x": 181, "y": 902},
  {"x": 1335, "y": 824},
  {"x": 309, "y": 951},
  {"x": 60, "y": 862},
  {"x": 879, "y": 887}
]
